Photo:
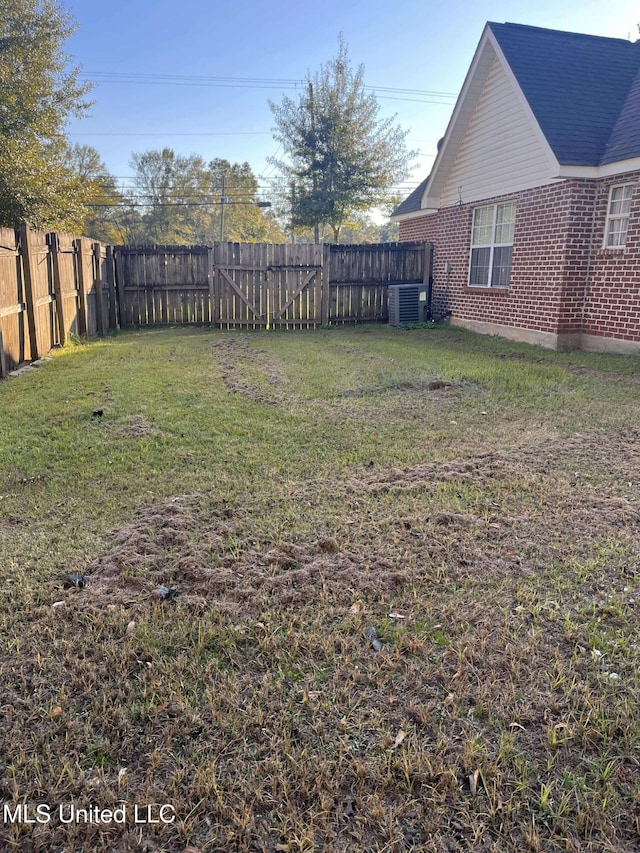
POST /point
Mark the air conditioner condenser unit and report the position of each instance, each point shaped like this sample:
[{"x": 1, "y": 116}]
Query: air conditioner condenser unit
[{"x": 408, "y": 304}]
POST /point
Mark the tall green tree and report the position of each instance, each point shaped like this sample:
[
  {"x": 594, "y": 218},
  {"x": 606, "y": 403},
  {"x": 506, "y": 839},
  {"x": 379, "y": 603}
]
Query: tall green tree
[
  {"x": 164, "y": 184},
  {"x": 99, "y": 193},
  {"x": 38, "y": 94},
  {"x": 186, "y": 200},
  {"x": 341, "y": 157}
]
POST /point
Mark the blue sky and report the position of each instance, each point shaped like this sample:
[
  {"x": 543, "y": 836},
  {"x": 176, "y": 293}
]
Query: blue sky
[{"x": 148, "y": 58}]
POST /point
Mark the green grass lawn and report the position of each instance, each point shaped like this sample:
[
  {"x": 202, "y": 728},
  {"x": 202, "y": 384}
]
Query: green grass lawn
[{"x": 474, "y": 500}]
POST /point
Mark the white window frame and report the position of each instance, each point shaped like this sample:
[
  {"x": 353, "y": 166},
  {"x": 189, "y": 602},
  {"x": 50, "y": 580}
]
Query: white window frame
[
  {"x": 492, "y": 246},
  {"x": 614, "y": 237}
]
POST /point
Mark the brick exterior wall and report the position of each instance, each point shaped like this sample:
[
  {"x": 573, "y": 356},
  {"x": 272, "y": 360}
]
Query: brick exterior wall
[
  {"x": 562, "y": 281},
  {"x": 612, "y": 307}
]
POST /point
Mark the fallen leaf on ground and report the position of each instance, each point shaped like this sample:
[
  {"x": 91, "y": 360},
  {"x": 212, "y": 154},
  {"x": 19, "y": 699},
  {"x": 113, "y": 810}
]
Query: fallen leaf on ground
[
  {"x": 449, "y": 702},
  {"x": 473, "y": 782}
]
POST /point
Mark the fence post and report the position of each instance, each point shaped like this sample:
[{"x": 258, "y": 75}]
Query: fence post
[
  {"x": 217, "y": 260},
  {"x": 326, "y": 282},
  {"x": 97, "y": 283},
  {"x": 210, "y": 277},
  {"x": 111, "y": 282},
  {"x": 78, "y": 248},
  {"x": 119, "y": 273},
  {"x": 54, "y": 252},
  {"x": 27, "y": 272}
]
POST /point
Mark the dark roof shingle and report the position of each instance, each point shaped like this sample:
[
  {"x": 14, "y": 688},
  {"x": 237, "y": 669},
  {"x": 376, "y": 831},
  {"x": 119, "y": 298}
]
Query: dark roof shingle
[
  {"x": 412, "y": 202},
  {"x": 624, "y": 142},
  {"x": 576, "y": 86}
]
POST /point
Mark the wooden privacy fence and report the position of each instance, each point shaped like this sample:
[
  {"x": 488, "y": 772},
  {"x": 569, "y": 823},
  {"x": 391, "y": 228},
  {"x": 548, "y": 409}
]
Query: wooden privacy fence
[
  {"x": 55, "y": 285},
  {"x": 358, "y": 277},
  {"x": 258, "y": 285},
  {"x": 51, "y": 286}
]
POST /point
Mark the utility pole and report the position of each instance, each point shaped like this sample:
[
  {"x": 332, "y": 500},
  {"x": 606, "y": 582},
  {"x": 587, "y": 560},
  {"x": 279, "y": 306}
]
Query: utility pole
[
  {"x": 314, "y": 177},
  {"x": 223, "y": 201}
]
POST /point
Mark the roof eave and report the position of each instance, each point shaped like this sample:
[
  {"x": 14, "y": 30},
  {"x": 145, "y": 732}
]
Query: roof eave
[
  {"x": 606, "y": 170},
  {"x": 414, "y": 214}
]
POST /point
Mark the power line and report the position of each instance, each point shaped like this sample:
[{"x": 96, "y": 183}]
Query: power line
[
  {"x": 153, "y": 205},
  {"x": 176, "y": 133},
  {"x": 216, "y": 188},
  {"x": 127, "y": 77}
]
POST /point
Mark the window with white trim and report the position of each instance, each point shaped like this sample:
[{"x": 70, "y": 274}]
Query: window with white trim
[
  {"x": 618, "y": 210},
  {"x": 492, "y": 245}
]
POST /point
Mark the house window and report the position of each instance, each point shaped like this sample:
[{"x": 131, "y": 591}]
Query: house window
[
  {"x": 615, "y": 233},
  {"x": 492, "y": 245}
]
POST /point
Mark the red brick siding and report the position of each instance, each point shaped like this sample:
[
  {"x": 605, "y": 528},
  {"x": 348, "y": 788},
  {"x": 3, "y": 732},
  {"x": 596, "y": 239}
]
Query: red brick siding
[
  {"x": 557, "y": 251},
  {"x": 532, "y": 299},
  {"x": 612, "y": 307},
  {"x": 578, "y": 245}
]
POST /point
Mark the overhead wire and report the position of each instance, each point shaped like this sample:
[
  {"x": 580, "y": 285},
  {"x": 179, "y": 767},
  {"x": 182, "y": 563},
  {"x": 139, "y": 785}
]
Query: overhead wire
[
  {"x": 287, "y": 84},
  {"x": 186, "y": 193}
]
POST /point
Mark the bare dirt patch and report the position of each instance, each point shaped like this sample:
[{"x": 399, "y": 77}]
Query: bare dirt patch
[
  {"x": 135, "y": 426},
  {"x": 234, "y": 356},
  {"x": 206, "y": 555},
  {"x": 514, "y": 512}
]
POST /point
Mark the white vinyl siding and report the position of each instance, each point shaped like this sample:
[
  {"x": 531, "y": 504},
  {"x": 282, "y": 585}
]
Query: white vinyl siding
[
  {"x": 500, "y": 152},
  {"x": 492, "y": 245},
  {"x": 618, "y": 210}
]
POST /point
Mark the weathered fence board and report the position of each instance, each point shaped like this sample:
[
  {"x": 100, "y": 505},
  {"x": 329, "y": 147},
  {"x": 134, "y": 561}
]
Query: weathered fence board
[
  {"x": 68, "y": 301},
  {"x": 13, "y": 308},
  {"x": 39, "y": 292},
  {"x": 267, "y": 285},
  {"x": 49, "y": 286},
  {"x": 239, "y": 285},
  {"x": 163, "y": 284},
  {"x": 296, "y": 278}
]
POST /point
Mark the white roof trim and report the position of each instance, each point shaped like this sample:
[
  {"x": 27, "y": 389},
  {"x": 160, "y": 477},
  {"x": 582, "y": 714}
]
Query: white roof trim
[
  {"x": 618, "y": 168},
  {"x": 488, "y": 49},
  {"x": 414, "y": 214}
]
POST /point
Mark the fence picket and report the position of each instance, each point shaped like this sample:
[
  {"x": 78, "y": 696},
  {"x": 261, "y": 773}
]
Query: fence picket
[{"x": 28, "y": 281}]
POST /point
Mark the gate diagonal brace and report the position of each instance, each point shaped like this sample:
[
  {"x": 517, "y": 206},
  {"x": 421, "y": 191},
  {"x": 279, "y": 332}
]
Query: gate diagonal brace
[
  {"x": 240, "y": 294},
  {"x": 306, "y": 281}
]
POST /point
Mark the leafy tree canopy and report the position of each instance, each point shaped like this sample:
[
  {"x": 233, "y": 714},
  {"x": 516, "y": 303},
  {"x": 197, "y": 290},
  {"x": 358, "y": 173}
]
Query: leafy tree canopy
[
  {"x": 38, "y": 93},
  {"x": 341, "y": 156},
  {"x": 99, "y": 192},
  {"x": 179, "y": 200}
]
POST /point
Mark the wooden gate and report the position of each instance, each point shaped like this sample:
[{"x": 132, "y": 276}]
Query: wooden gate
[{"x": 261, "y": 285}]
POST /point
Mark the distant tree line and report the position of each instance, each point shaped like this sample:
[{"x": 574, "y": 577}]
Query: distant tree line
[{"x": 176, "y": 199}]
